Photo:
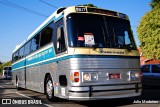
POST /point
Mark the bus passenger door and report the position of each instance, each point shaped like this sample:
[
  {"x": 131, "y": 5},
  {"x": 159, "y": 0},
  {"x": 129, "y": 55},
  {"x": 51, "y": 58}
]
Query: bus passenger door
[
  {"x": 60, "y": 49},
  {"x": 60, "y": 40}
]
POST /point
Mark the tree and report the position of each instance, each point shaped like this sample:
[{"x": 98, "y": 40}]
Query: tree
[
  {"x": 0, "y": 62},
  {"x": 5, "y": 64},
  {"x": 154, "y": 3},
  {"x": 148, "y": 32}
]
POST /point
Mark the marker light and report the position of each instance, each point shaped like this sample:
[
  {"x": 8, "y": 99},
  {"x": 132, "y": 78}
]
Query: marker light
[{"x": 123, "y": 16}]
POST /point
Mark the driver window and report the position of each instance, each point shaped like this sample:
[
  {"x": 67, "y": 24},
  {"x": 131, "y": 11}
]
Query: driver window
[
  {"x": 127, "y": 39},
  {"x": 60, "y": 39}
]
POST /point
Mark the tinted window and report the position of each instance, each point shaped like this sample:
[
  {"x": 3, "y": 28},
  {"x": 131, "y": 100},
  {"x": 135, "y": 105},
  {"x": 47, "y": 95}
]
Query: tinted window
[
  {"x": 27, "y": 48},
  {"x": 46, "y": 35},
  {"x": 21, "y": 53},
  {"x": 5, "y": 72},
  {"x": 9, "y": 68},
  {"x": 5, "y": 68},
  {"x": 155, "y": 69},
  {"x": 86, "y": 30},
  {"x": 9, "y": 73},
  {"x": 35, "y": 43},
  {"x": 16, "y": 56},
  {"x": 13, "y": 57},
  {"x": 60, "y": 39},
  {"x": 145, "y": 68}
]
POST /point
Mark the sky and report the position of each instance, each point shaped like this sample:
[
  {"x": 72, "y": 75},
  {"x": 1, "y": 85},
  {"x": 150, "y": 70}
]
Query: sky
[{"x": 19, "y": 18}]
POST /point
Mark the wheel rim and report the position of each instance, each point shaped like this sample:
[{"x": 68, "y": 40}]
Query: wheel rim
[{"x": 49, "y": 88}]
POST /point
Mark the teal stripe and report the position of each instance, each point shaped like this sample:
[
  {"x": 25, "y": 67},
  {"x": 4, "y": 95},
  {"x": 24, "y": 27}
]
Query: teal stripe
[
  {"x": 44, "y": 55},
  {"x": 19, "y": 64},
  {"x": 83, "y": 56}
]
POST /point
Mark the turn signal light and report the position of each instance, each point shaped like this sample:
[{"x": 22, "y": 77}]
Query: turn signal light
[{"x": 76, "y": 76}]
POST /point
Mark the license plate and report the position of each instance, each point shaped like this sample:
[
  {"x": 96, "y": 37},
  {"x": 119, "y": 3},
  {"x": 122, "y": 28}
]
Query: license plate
[{"x": 114, "y": 76}]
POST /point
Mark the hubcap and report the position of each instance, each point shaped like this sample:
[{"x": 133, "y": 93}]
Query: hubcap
[{"x": 49, "y": 88}]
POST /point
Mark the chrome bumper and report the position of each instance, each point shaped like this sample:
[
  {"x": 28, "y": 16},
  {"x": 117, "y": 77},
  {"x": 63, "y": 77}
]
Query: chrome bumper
[{"x": 98, "y": 92}]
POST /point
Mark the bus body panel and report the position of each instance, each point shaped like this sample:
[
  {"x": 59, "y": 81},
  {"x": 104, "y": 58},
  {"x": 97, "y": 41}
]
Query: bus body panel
[{"x": 112, "y": 66}]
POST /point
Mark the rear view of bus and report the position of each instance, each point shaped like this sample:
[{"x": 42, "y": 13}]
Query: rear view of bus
[{"x": 105, "y": 61}]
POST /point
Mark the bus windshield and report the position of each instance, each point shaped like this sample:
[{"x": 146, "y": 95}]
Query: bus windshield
[{"x": 88, "y": 30}]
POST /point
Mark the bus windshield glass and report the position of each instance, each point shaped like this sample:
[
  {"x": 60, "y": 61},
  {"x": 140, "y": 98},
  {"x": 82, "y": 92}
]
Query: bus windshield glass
[{"x": 88, "y": 30}]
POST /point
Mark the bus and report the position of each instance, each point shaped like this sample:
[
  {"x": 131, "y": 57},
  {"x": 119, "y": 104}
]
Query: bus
[
  {"x": 7, "y": 72},
  {"x": 79, "y": 53}
]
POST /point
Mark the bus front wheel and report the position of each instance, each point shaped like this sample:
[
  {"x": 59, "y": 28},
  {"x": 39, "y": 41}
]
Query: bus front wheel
[{"x": 49, "y": 89}]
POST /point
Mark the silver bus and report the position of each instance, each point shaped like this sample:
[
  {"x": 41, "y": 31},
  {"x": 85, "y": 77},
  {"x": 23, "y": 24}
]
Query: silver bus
[{"x": 79, "y": 53}]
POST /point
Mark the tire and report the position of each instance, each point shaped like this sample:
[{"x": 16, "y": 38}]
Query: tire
[{"x": 49, "y": 89}]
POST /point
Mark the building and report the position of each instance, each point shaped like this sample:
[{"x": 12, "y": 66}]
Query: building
[{"x": 144, "y": 60}]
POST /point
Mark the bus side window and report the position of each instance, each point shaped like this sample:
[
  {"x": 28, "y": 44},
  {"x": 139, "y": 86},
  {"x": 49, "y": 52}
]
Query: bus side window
[
  {"x": 21, "y": 53},
  {"x": 15, "y": 56},
  {"x": 46, "y": 35},
  {"x": 60, "y": 39},
  {"x": 35, "y": 43},
  {"x": 27, "y": 48}
]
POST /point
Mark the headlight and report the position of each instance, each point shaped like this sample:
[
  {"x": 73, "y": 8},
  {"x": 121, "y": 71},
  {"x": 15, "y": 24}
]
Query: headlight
[
  {"x": 86, "y": 76},
  {"x": 94, "y": 76},
  {"x": 133, "y": 75},
  {"x": 90, "y": 76},
  {"x": 137, "y": 75}
]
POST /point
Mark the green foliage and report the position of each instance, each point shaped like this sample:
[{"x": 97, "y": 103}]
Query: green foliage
[
  {"x": 149, "y": 33},
  {"x": 154, "y": 3},
  {"x": 4, "y": 64},
  {"x": 90, "y": 5}
]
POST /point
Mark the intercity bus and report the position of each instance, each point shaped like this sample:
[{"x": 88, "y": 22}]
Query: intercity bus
[{"x": 79, "y": 53}]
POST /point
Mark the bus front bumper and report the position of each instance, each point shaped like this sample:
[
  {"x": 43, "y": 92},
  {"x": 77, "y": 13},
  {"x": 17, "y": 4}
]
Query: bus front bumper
[{"x": 104, "y": 92}]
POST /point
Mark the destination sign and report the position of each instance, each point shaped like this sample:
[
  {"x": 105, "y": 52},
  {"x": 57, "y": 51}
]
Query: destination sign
[
  {"x": 108, "y": 12},
  {"x": 80, "y": 9}
]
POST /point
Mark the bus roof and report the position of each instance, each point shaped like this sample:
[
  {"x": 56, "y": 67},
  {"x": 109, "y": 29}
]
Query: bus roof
[{"x": 58, "y": 14}]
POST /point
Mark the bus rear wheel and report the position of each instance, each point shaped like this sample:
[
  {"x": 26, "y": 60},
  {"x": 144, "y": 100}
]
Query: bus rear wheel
[{"x": 49, "y": 89}]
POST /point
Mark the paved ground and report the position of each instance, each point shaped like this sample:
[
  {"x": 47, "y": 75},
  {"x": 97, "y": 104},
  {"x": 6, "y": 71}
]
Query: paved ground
[{"x": 8, "y": 91}]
